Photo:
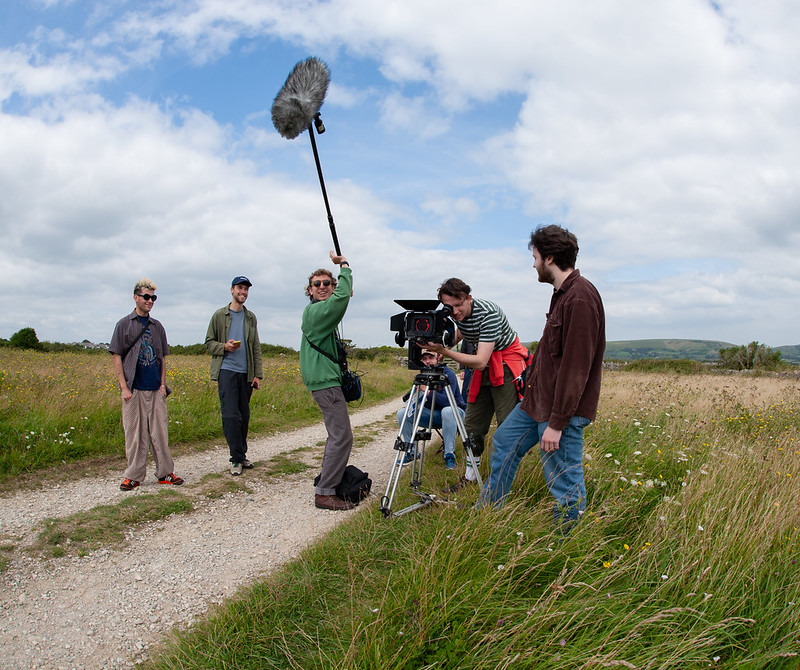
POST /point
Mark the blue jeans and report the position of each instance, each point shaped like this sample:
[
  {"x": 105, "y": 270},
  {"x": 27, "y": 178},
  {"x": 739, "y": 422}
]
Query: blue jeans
[
  {"x": 563, "y": 468},
  {"x": 442, "y": 418}
]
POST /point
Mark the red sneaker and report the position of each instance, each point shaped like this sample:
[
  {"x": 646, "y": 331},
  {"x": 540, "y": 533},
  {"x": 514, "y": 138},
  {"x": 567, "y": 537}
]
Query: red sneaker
[
  {"x": 128, "y": 484},
  {"x": 170, "y": 479}
]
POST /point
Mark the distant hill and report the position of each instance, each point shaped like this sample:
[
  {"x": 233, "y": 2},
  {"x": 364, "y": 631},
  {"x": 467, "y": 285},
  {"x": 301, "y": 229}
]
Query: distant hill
[
  {"x": 694, "y": 350},
  {"x": 790, "y": 353}
]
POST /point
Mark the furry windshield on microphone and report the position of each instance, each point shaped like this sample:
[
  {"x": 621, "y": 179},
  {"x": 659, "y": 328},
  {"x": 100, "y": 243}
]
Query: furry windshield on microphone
[{"x": 301, "y": 97}]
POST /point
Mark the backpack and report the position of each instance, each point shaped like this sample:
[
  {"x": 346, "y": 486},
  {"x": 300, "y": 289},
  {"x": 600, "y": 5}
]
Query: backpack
[{"x": 354, "y": 487}]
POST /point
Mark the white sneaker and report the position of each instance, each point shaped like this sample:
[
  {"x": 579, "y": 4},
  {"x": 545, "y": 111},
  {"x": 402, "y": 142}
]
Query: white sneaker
[
  {"x": 236, "y": 469},
  {"x": 470, "y": 473}
]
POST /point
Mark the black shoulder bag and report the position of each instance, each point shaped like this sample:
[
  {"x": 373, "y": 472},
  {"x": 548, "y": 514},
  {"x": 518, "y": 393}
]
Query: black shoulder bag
[{"x": 351, "y": 383}]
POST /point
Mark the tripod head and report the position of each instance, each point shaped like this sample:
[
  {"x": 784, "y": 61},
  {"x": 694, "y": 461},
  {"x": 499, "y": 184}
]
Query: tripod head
[{"x": 431, "y": 376}]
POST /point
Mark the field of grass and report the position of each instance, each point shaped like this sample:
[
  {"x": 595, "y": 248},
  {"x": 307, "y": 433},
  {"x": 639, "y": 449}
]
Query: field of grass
[
  {"x": 686, "y": 558},
  {"x": 61, "y": 408}
]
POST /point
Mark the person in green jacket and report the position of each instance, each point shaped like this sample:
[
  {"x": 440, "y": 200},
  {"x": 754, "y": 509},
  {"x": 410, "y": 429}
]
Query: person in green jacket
[
  {"x": 323, "y": 377},
  {"x": 232, "y": 340}
]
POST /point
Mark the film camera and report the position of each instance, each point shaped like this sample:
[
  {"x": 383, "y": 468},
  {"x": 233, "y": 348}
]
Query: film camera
[{"x": 422, "y": 322}]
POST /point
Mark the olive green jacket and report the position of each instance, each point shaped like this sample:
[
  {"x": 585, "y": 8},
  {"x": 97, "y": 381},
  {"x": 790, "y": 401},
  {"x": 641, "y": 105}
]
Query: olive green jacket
[{"x": 217, "y": 336}]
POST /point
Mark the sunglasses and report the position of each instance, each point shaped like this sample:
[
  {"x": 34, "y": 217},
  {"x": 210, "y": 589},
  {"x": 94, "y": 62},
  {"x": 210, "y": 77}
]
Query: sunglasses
[
  {"x": 325, "y": 282},
  {"x": 147, "y": 296}
]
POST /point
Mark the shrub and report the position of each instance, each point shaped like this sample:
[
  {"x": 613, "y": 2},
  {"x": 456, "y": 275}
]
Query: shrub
[
  {"x": 276, "y": 350},
  {"x": 681, "y": 366},
  {"x": 188, "y": 350},
  {"x": 749, "y": 357},
  {"x": 25, "y": 339}
]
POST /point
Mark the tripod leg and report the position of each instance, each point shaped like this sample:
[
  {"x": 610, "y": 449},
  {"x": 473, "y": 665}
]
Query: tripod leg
[
  {"x": 400, "y": 446},
  {"x": 416, "y": 444},
  {"x": 419, "y": 449},
  {"x": 464, "y": 437}
]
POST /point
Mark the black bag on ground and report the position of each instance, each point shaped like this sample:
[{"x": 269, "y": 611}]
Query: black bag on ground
[{"x": 354, "y": 487}]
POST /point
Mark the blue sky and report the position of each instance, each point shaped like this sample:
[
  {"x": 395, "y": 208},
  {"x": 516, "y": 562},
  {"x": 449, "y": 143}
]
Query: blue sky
[{"x": 137, "y": 141}]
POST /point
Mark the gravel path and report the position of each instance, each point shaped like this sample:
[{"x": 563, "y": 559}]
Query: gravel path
[{"x": 104, "y": 610}]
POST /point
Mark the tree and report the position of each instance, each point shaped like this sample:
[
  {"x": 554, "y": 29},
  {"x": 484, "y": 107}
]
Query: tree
[
  {"x": 25, "y": 339},
  {"x": 749, "y": 357}
]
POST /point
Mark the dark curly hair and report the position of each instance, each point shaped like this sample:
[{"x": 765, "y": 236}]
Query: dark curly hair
[
  {"x": 455, "y": 288},
  {"x": 557, "y": 242}
]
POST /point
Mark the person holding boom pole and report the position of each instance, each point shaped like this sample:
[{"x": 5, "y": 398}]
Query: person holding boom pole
[{"x": 295, "y": 109}]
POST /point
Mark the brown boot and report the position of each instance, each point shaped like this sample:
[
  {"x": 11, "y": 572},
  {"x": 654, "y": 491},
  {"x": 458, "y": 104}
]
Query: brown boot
[{"x": 331, "y": 502}]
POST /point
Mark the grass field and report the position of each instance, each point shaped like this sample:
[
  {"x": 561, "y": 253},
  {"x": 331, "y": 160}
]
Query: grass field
[
  {"x": 64, "y": 408},
  {"x": 687, "y": 557}
]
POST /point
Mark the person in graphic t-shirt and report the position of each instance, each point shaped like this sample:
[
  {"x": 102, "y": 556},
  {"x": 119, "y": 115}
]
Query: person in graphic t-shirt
[{"x": 139, "y": 347}]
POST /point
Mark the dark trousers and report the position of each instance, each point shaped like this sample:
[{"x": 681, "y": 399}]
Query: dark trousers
[
  {"x": 234, "y": 401},
  {"x": 492, "y": 401}
]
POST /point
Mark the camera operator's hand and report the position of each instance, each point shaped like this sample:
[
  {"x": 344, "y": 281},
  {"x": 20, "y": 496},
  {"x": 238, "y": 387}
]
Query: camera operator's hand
[
  {"x": 477, "y": 361},
  {"x": 436, "y": 348}
]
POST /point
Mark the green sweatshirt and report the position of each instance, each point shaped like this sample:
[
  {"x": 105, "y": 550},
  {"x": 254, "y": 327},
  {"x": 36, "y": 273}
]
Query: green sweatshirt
[{"x": 320, "y": 320}]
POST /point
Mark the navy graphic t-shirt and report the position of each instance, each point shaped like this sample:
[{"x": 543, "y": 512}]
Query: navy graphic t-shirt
[{"x": 148, "y": 374}]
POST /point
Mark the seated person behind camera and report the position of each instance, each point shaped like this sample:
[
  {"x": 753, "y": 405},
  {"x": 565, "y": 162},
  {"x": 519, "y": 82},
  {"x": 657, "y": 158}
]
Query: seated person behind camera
[{"x": 443, "y": 414}]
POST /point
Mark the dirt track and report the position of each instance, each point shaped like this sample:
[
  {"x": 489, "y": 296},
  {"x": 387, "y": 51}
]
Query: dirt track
[{"x": 104, "y": 610}]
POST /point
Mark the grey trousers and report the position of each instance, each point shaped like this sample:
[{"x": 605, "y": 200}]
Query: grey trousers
[
  {"x": 144, "y": 419},
  {"x": 340, "y": 438}
]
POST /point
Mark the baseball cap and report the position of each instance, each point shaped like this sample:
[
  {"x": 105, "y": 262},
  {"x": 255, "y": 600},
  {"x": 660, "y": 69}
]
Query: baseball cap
[
  {"x": 427, "y": 351},
  {"x": 241, "y": 280}
]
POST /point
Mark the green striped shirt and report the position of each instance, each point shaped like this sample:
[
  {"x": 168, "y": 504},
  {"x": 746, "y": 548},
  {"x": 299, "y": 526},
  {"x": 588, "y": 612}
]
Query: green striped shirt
[{"x": 487, "y": 323}]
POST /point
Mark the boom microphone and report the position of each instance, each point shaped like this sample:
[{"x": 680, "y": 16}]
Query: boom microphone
[
  {"x": 298, "y": 102},
  {"x": 296, "y": 107}
]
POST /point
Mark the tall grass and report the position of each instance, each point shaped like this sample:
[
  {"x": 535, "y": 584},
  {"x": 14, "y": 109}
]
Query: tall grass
[
  {"x": 62, "y": 407},
  {"x": 686, "y": 557}
]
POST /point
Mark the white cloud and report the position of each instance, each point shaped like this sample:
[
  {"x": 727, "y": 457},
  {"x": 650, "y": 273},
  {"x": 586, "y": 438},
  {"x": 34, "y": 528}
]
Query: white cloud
[
  {"x": 415, "y": 116},
  {"x": 452, "y": 210},
  {"x": 664, "y": 135}
]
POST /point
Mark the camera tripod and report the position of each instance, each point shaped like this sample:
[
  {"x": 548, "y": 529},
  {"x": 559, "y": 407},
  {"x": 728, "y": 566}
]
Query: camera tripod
[{"x": 429, "y": 378}]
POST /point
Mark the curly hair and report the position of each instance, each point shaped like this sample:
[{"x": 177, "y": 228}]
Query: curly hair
[
  {"x": 455, "y": 288},
  {"x": 557, "y": 242},
  {"x": 317, "y": 273}
]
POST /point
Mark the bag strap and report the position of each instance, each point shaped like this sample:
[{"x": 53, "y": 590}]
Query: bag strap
[
  {"x": 136, "y": 339},
  {"x": 322, "y": 351},
  {"x": 341, "y": 361}
]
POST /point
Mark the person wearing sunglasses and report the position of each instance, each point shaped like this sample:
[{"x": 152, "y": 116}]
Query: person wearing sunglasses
[
  {"x": 322, "y": 376},
  {"x": 232, "y": 340},
  {"x": 139, "y": 349}
]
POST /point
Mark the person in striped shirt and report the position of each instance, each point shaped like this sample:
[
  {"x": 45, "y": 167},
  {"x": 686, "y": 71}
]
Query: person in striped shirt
[{"x": 498, "y": 360}]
